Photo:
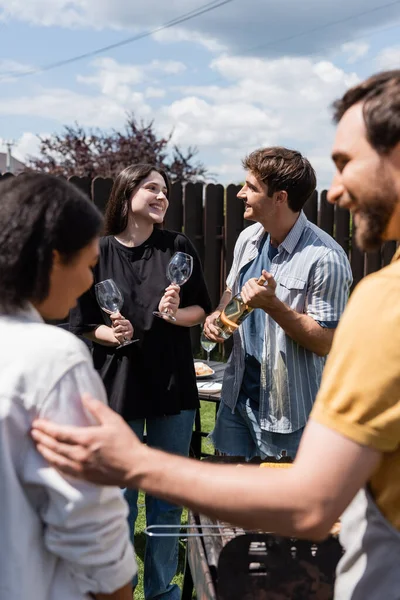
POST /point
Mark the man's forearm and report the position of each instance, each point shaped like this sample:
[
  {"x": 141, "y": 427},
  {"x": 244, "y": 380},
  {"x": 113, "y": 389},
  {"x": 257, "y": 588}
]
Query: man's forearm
[
  {"x": 196, "y": 483},
  {"x": 303, "y": 501},
  {"x": 302, "y": 328},
  {"x": 225, "y": 298}
]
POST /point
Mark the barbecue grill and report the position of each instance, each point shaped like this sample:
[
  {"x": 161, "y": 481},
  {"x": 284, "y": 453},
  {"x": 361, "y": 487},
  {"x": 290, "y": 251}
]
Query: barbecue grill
[{"x": 228, "y": 563}]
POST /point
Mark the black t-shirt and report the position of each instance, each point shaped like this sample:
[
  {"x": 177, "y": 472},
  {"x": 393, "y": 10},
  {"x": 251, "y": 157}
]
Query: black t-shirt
[{"x": 154, "y": 376}]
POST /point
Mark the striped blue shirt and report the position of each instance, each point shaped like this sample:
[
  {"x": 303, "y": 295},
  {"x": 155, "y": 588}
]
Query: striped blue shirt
[{"x": 313, "y": 277}]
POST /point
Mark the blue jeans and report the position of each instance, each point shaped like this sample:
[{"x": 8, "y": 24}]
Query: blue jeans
[
  {"x": 173, "y": 434},
  {"x": 240, "y": 434}
]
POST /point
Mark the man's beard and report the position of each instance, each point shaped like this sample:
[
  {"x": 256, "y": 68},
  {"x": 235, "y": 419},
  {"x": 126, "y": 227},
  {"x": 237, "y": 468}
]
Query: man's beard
[{"x": 374, "y": 218}]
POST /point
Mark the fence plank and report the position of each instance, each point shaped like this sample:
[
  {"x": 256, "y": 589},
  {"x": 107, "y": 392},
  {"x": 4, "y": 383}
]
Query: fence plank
[
  {"x": 83, "y": 183},
  {"x": 373, "y": 261},
  {"x": 193, "y": 216},
  {"x": 357, "y": 260},
  {"x": 311, "y": 208},
  {"x": 6, "y": 175},
  {"x": 174, "y": 216},
  {"x": 101, "y": 190},
  {"x": 233, "y": 223},
  {"x": 326, "y": 214},
  {"x": 213, "y": 239},
  {"x": 342, "y": 228},
  {"x": 193, "y": 228},
  {"x": 388, "y": 251}
]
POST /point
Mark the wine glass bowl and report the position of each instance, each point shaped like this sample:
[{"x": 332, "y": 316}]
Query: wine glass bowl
[
  {"x": 180, "y": 268},
  {"x": 179, "y": 271},
  {"x": 109, "y": 296},
  {"x": 110, "y": 300},
  {"x": 207, "y": 345}
]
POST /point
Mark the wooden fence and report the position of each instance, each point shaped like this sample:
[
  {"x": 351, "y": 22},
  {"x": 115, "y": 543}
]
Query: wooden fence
[{"x": 212, "y": 217}]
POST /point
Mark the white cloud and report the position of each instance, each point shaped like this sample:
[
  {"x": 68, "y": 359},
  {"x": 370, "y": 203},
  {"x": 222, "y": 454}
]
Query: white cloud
[
  {"x": 389, "y": 58},
  {"x": 174, "y": 35},
  {"x": 173, "y": 67},
  {"x": 206, "y": 124},
  {"x": 323, "y": 165},
  {"x": 258, "y": 102},
  {"x": 113, "y": 79},
  {"x": 228, "y": 172},
  {"x": 153, "y": 92},
  {"x": 27, "y": 145},
  {"x": 117, "y": 80},
  {"x": 43, "y": 12},
  {"x": 263, "y": 102},
  {"x": 66, "y": 107},
  {"x": 263, "y": 28},
  {"x": 355, "y": 51},
  {"x": 11, "y": 69}
]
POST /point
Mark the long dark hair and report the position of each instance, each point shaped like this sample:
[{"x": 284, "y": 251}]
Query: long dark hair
[
  {"x": 39, "y": 214},
  {"x": 117, "y": 209}
]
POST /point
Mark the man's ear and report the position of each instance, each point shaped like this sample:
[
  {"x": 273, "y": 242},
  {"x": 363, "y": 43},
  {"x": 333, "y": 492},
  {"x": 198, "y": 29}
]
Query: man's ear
[{"x": 281, "y": 197}]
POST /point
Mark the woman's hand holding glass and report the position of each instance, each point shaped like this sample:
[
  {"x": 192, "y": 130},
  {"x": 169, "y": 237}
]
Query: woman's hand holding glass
[
  {"x": 111, "y": 300},
  {"x": 122, "y": 328},
  {"x": 169, "y": 303},
  {"x": 179, "y": 270}
]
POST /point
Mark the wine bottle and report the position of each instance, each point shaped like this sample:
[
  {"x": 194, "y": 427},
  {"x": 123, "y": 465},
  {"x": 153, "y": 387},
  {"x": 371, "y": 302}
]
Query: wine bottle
[{"x": 235, "y": 312}]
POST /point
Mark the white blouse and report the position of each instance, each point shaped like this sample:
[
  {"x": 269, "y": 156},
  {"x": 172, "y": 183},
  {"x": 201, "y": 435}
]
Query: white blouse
[{"x": 60, "y": 538}]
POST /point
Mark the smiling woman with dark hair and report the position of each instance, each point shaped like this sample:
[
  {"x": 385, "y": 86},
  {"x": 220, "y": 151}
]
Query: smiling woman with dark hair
[
  {"x": 59, "y": 539},
  {"x": 152, "y": 383}
]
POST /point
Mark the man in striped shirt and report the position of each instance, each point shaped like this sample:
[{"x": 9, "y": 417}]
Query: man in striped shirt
[{"x": 275, "y": 369}]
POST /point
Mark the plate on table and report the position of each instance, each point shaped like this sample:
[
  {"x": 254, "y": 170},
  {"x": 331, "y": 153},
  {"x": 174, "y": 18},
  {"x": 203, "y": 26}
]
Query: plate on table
[
  {"x": 209, "y": 387},
  {"x": 203, "y": 370}
]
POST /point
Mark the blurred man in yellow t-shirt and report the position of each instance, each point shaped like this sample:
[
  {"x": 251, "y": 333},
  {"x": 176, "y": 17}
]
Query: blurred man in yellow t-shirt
[{"x": 349, "y": 457}]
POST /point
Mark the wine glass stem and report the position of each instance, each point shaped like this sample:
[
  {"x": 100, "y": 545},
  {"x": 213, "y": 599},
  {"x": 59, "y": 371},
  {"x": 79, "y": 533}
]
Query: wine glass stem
[{"x": 208, "y": 356}]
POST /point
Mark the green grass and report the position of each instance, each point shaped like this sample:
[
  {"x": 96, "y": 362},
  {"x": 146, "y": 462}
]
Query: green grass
[{"x": 207, "y": 412}]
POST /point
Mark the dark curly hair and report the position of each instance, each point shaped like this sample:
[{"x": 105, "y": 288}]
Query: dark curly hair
[
  {"x": 286, "y": 170},
  {"x": 39, "y": 214},
  {"x": 380, "y": 97},
  {"x": 117, "y": 209}
]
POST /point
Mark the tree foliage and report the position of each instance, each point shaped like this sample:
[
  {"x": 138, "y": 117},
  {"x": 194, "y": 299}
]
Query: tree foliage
[{"x": 96, "y": 153}]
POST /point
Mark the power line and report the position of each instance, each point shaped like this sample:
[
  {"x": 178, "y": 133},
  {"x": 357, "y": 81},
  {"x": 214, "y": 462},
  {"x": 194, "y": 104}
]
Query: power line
[
  {"x": 309, "y": 31},
  {"x": 325, "y": 26},
  {"x": 205, "y": 8},
  {"x": 332, "y": 46},
  {"x": 191, "y": 15},
  {"x": 303, "y": 33}
]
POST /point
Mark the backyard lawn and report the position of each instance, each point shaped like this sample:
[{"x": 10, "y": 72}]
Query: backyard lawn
[{"x": 207, "y": 412}]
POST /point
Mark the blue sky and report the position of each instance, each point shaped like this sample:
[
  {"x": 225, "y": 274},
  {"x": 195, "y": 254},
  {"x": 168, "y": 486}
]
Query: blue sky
[{"x": 246, "y": 74}]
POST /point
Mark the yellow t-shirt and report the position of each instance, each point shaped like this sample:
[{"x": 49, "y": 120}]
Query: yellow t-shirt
[{"x": 360, "y": 390}]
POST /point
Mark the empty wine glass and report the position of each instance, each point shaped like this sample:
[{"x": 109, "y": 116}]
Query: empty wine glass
[
  {"x": 207, "y": 345},
  {"x": 110, "y": 300},
  {"x": 179, "y": 270}
]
